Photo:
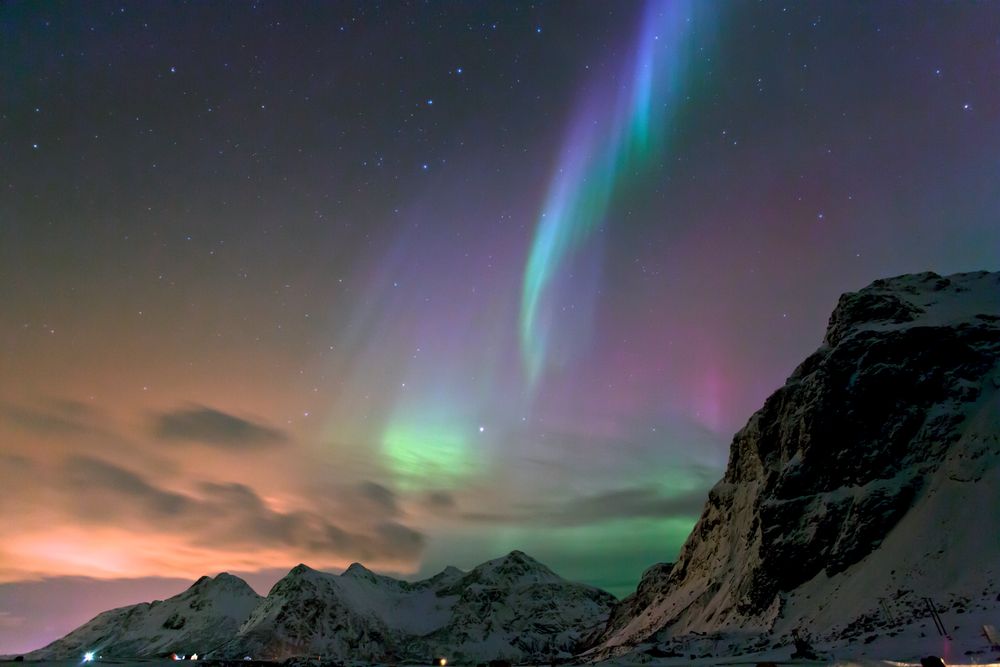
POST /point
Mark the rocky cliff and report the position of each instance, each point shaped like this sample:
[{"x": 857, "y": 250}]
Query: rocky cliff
[{"x": 866, "y": 483}]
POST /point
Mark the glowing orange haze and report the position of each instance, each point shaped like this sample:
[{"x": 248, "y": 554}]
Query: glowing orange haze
[{"x": 92, "y": 488}]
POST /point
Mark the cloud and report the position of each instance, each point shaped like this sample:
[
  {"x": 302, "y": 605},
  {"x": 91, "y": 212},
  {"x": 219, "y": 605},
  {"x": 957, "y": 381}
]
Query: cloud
[
  {"x": 86, "y": 474},
  {"x": 629, "y": 503},
  {"x": 198, "y": 423},
  {"x": 440, "y": 500},
  {"x": 381, "y": 496},
  {"x": 232, "y": 516},
  {"x": 55, "y": 417}
]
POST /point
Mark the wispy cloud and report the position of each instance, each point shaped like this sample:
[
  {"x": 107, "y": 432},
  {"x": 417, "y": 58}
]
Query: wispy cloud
[
  {"x": 202, "y": 424},
  {"x": 233, "y": 516},
  {"x": 53, "y": 417}
]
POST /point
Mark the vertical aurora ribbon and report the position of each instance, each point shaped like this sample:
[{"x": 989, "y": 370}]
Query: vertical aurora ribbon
[{"x": 618, "y": 129}]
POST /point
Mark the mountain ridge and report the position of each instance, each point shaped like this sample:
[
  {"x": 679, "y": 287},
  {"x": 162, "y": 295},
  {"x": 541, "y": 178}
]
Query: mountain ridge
[{"x": 356, "y": 613}]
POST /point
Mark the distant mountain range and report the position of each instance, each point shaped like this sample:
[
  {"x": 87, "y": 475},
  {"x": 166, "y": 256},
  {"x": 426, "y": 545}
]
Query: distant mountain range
[
  {"x": 860, "y": 511},
  {"x": 512, "y": 608}
]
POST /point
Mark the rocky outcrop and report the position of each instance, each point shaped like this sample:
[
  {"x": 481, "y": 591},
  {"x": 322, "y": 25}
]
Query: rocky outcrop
[
  {"x": 858, "y": 448},
  {"x": 651, "y": 587}
]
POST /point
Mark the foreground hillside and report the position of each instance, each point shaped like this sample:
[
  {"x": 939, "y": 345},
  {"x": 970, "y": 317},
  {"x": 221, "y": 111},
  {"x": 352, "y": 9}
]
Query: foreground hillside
[
  {"x": 512, "y": 608},
  {"x": 866, "y": 484}
]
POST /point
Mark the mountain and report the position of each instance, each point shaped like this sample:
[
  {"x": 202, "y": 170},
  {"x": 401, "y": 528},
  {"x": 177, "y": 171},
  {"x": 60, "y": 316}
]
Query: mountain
[
  {"x": 512, "y": 607},
  {"x": 205, "y": 615},
  {"x": 358, "y": 613},
  {"x": 868, "y": 482},
  {"x": 517, "y": 609}
]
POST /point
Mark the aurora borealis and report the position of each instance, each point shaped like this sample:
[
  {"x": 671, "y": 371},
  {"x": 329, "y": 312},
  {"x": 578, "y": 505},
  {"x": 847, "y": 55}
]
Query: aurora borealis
[
  {"x": 616, "y": 130},
  {"x": 416, "y": 284}
]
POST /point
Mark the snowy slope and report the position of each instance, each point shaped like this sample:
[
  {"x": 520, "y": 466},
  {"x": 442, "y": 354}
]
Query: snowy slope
[
  {"x": 199, "y": 619},
  {"x": 869, "y": 481}
]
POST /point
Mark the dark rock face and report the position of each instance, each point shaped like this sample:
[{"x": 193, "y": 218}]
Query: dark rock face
[
  {"x": 835, "y": 458},
  {"x": 854, "y": 414},
  {"x": 651, "y": 587}
]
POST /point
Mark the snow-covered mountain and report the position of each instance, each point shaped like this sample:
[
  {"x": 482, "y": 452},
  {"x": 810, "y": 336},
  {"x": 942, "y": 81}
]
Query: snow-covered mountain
[
  {"x": 517, "y": 609},
  {"x": 206, "y": 615},
  {"x": 512, "y": 607},
  {"x": 868, "y": 482}
]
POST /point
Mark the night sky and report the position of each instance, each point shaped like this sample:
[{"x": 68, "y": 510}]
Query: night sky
[{"x": 416, "y": 284}]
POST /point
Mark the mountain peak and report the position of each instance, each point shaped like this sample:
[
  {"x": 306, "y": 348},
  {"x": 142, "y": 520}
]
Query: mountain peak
[
  {"x": 925, "y": 299},
  {"x": 516, "y": 565},
  {"x": 300, "y": 570},
  {"x": 231, "y": 581},
  {"x": 357, "y": 570},
  {"x": 518, "y": 556},
  {"x": 221, "y": 582}
]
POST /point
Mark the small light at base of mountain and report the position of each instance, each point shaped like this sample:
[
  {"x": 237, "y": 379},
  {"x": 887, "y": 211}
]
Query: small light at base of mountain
[
  {"x": 88, "y": 656},
  {"x": 194, "y": 656},
  {"x": 442, "y": 662}
]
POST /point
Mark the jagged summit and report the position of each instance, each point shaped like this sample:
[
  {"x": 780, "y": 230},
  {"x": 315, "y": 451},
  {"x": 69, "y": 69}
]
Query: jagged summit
[
  {"x": 300, "y": 569},
  {"x": 515, "y": 566},
  {"x": 450, "y": 571},
  {"x": 221, "y": 580},
  {"x": 920, "y": 299},
  {"x": 360, "y": 571},
  {"x": 839, "y": 498},
  {"x": 357, "y": 568}
]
